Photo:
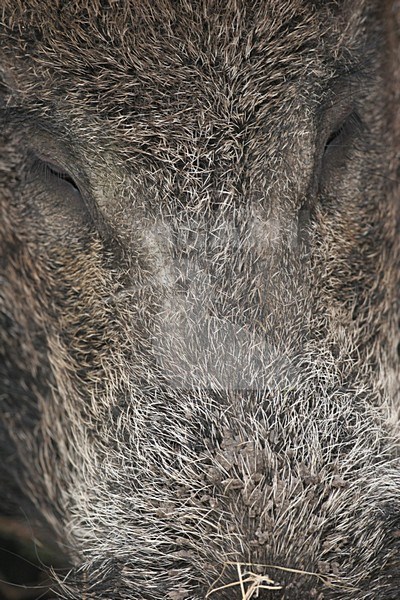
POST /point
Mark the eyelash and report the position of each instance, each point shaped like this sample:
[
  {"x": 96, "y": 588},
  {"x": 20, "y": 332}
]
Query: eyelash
[
  {"x": 350, "y": 125},
  {"x": 49, "y": 170},
  {"x": 60, "y": 174}
]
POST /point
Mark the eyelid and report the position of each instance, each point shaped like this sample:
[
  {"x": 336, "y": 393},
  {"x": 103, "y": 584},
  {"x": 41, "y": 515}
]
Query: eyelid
[
  {"x": 349, "y": 124},
  {"x": 61, "y": 174},
  {"x": 55, "y": 169},
  {"x": 48, "y": 160}
]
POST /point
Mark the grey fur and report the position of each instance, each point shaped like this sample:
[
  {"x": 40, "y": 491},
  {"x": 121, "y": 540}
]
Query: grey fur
[{"x": 199, "y": 348}]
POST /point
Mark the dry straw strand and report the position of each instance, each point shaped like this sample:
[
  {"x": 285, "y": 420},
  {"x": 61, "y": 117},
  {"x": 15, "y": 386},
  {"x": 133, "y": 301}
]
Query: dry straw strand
[{"x": 256, "y": 582}]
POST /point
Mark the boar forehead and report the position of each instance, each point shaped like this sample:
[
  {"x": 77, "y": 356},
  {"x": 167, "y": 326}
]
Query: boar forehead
[
  {"x": 192, "y": 98},
  {"x": 161, "y": 70}
]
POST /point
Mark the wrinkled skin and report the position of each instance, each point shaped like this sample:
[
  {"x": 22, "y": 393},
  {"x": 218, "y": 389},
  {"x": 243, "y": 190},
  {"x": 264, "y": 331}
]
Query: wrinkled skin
[{"x": 199, "y": 294}]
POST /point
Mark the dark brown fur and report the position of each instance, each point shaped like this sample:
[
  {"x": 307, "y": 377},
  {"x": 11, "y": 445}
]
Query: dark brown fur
[{"x": 199, "y": 231}]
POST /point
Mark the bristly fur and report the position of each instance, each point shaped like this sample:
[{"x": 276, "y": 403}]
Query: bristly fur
[{"x": 199, "y": 254}]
